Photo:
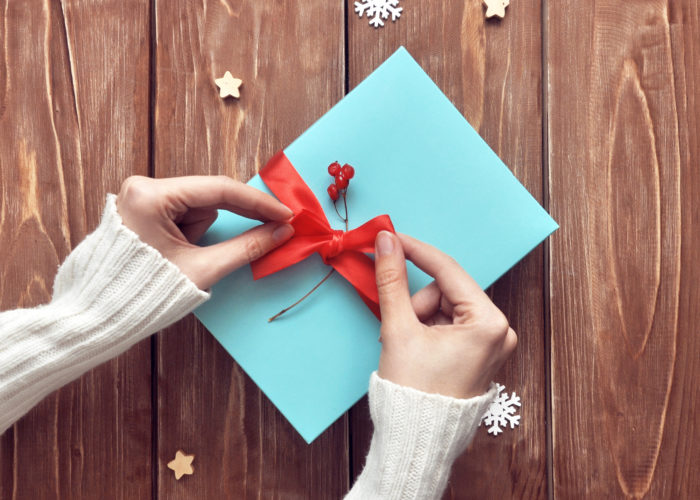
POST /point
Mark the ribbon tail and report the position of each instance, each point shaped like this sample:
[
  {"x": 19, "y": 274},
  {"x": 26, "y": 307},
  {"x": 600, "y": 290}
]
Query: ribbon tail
[
  {"x": 295, "y": 250},
  {"x": 358, "y": 269}
]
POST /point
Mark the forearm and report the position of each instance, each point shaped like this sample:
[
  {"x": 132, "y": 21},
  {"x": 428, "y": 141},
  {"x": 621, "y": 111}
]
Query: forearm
[
  {"x": 417, "y": 437},
  {"x": 112, "y": 291}
]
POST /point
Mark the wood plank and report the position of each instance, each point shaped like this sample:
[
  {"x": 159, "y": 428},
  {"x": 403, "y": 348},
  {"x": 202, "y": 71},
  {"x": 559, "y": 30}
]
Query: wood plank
[
  {"x": 623, "y": 108},
  {"x": 292, "y": 72},
  {"x": 491, "y": 70},
  {"x": 680, "y": 452},
  {"x": 73, "y": 111}
]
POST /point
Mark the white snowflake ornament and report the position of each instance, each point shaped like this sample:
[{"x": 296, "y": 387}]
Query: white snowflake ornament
[
  {"x": 378, "y": 10},
  {"x": 501, "y": 412}
]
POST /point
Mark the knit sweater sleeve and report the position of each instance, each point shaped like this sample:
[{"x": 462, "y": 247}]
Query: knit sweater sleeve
[
  {"x": 417, "y": 437},
  {"x": 112, "y": 291}
]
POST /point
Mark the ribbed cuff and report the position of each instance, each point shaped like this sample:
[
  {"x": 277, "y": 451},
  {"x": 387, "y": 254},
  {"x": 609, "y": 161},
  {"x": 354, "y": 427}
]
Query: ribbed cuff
[
  {"x": 112, "y": 291},
  {"x": 123, "y": 280},
  {"x": 417, "y": 437}
]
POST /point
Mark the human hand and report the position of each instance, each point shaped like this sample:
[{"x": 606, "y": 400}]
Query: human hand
[
  {"x": 172, "y": 214},
  {"x": 449, "y": 338}
]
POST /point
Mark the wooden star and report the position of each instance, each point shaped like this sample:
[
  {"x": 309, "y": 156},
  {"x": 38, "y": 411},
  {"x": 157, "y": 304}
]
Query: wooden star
[
  {"x": 496, "y": 7},
  {"x": 228, "y": 85},
  {"x": 182, "y": 464}
]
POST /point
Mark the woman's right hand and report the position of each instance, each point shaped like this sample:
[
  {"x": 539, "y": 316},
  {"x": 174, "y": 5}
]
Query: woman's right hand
[
  {"x": 449, "y": 338},
  {"x": 171, "y": 214}
]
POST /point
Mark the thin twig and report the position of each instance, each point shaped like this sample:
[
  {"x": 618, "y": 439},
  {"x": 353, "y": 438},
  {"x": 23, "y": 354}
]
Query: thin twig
[
  {"x": 336, "y": 210},
  {"x": 345, "y": 202},
  {"x": 298, "y": 301}
]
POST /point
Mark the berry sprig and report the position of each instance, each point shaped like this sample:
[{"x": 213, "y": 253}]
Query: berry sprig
[
  {"x": 338, "y": 188},
  {"x": 342, "y": 176}
]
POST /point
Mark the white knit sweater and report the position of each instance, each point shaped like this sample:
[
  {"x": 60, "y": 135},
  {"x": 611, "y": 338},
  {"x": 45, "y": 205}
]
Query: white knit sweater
[{"x": 114, "y": 290}]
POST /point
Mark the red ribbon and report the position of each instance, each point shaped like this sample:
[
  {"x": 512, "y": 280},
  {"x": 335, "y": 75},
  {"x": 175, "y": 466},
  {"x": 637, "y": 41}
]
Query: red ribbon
[{"x": 344, "y": 250}]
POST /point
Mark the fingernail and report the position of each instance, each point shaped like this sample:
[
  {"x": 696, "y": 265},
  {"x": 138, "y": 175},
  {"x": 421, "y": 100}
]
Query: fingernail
[
  {"x": 290, "y": 213},
  {"x": 385, "y": 243},
  {"x": 282, "y": 233}
]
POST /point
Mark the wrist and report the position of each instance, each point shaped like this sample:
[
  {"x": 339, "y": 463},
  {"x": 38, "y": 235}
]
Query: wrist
[
  {"x": 114, "y": 270},
  {"x": 112, "y": 291},
  {"x": 417, "y": 437}
]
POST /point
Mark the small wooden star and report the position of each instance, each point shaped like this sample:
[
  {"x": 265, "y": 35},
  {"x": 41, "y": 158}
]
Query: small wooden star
[
  {"x": 496, "y": 7},
  {"x": 182, "y": 464},
  {"x": 228, "y": 85}
]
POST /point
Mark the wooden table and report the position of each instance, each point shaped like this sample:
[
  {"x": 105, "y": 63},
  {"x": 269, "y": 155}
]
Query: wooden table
[{"x": 595, "y": 106}]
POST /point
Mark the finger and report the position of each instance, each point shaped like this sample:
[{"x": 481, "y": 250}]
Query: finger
[
  {"x": 430, "y": 300},
  {"x": 426, "y": 301},
  {"x": 455, "y": 283},
  {"x": 439, "y": 319},
  {"x": 509, "y": 344},
  {"x": 392, "y": 283},
  {"x": 442, "y": 319},
  {"x": 216, "y": 261},
  {"x": 196, "y": 222},
  {"x": 223, "y": 192}
]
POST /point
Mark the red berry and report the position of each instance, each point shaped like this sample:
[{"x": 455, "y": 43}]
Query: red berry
[
  {"x": 334, "y": 168},
  {"x": 348, "y": 171},
  {"x": 341, "y": 182},
  {"x": 333, "y": 192}
]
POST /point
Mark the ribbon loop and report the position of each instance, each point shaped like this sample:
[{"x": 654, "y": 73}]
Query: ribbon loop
[{"x": 344, "y": 250}]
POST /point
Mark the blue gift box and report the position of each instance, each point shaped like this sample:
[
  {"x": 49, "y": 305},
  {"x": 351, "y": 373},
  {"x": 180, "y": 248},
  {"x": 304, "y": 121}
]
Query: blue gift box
[{"x": 416, "y": 159}]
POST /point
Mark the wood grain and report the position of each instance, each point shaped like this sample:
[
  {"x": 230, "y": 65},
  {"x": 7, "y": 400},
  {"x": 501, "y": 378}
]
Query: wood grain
[
  {"x": 292, "y": 73},
  {"x": 78, "y": 91},
  {"x": 72, "y": 114},
  {"x": 491, "y": 70},
  {"x": 680, "y": 451},
  {"x": 621, "y": 109}
]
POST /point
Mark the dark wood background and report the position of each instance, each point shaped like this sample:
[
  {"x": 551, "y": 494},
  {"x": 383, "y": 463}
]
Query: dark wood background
[{"x": 595, "y": 106}]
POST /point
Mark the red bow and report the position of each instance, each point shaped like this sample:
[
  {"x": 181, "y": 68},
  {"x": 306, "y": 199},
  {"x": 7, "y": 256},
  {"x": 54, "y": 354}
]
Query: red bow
[{"x": 344, "y": 250}]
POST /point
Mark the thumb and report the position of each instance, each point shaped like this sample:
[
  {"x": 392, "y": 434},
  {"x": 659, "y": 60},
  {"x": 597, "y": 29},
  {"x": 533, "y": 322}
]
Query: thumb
[
  {"x": 209, "y": 264},
  {"x": 392, "y": 282}
]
